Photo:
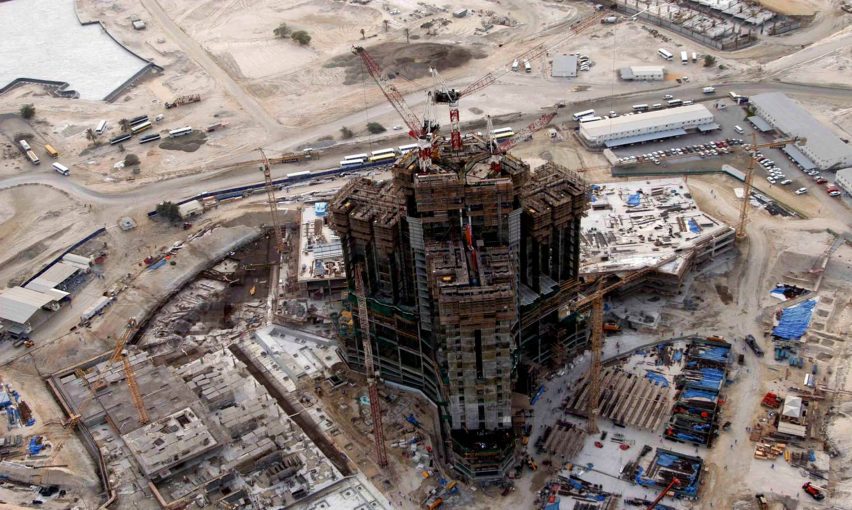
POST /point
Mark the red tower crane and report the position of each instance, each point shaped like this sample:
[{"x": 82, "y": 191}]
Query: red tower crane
[
  {"x": 375, "y": 405},
  {"x": 421, "y": 130},
  {"x": 451, "y": 97}
]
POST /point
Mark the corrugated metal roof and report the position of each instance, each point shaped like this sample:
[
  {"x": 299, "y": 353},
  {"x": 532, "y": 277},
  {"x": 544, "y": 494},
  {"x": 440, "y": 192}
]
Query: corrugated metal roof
[
  {"x": 18, "y": 304},
  {"x": 791, "y": 429},
  {"x": 659, "y": 118},
  {"x": 57, "y": 274},
  {"x": 794, "y": 120},
  {"x": 659, "y": 135},
  {"x": 564, "y": 66},
  {"x": 798, "y": 157}
]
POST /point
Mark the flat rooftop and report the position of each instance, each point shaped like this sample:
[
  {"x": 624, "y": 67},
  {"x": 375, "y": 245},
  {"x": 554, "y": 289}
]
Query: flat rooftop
[
  {"x": 633, "y": 225},
  {"x": 43, "y": 39},
  {"x": 320, "y": 251},
  {"x": 639, "y": 121}
]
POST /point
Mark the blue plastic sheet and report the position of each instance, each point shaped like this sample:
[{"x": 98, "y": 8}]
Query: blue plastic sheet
[
  {"x": 719, "y": 354},
  {"x": 5, "y": 401},
  {"x": 634, "y": 200},
  {"x": 694, "y": 393},
  {"x": 677, "y": 356},
  {"x": 693, "y": 226},
  {"x": 795, "y": 321},
  {"x": 657, "y": 378}
]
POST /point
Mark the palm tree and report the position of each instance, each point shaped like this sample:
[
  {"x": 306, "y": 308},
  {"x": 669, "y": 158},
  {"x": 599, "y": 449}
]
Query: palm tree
[
  {"x": 124, "y": 124},
  {"x": 362, "y": 34},
  {"x": 91, "y": 135}
]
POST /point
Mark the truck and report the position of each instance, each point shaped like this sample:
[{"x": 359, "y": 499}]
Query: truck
[
  {"x": 515, "y": 65},
  {"x": 527, "y": 66},
  {"x": 708, "y": 90},
  {"x": 182, "y": 100},
  {"x": 752, "y": 344},
  {"x": 24, "y": 145}
]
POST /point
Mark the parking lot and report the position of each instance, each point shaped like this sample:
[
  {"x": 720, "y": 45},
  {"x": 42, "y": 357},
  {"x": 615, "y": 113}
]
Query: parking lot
[{"x": 729, "y": 116}]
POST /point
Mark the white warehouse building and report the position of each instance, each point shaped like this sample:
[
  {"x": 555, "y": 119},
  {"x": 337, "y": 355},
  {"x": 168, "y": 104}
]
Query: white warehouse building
[
  {"x": 824, "y": 148},
  {"x": 843, "y": 178},
  {"x": 642, "y": 73},
  {"x": 645, "y": 127}
]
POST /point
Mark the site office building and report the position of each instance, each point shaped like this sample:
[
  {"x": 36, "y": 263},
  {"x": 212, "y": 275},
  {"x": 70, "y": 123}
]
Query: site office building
[{"x": 465, "y": 327}]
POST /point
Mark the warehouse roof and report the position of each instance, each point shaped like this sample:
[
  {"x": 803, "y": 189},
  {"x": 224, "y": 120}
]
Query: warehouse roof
[
  {"x": 659, "y": 135},
  {"x": 57, "y": 274},
  {"x": 18, "y": 304},
  {"x": 798, "y": 157},
  {"x": 794, "y": 120},
  {"x": 629, "y": 73},
  {"x": 564, "y": 65},
  {"x": 657, "y": 118}
]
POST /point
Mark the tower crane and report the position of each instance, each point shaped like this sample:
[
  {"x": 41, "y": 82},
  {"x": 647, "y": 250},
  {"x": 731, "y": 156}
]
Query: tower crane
[
  {"x": 420, "y": 129},
  {"x": 653, "y": 505},
  {"x": 777, "y": 144},
  {"x": 375, "y": 405},
  {"x": 444, "y": 94},
  {"x": 276, "y": 227},
  {"x": 496, "y": 149},
  {"x": 596, "y": 301}
]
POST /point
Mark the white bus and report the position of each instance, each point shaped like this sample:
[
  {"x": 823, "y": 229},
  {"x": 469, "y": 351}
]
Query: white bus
[
  {"x": 675, "y": 102},
  {"x": 590, "y": 118},
  {"x": 33, "y": 158},
  {"x": 584, "y": 113},
  {"x": 356, "y": 156},
  {"x": 352, "y": 162},
  {"x": 404, "y": 149},
  {"x": 382, "y": 152},
  {"x": 503, "y": 133},
  {"x": 24, "y": 145},
  {"x": 666, "y": 54},
  {"x": 708, "y": 90},
  {"x": 101, "y": 127},
  {"x": 684, "y": 57},
  {"x": 388, "y": 156},
  {"x": 119, "y": 139},
  {"x": 694, "y": 56},
  {"x": 61, "y": 169},
  {"x": 640, "y": 108},
  {"x": 174, "y": 133},
  {"x": 153, "y": 137},
  {"x": 138, "y": 128}
]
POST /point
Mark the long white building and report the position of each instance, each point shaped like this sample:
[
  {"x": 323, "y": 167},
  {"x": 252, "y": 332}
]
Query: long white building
[
  {"x": 645, "y": 127},
  {"x": 824, "y": 148}
]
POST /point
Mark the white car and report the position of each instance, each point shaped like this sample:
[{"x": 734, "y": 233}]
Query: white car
[
  {"x": 801, "y": 191},
  {"x": 771, "y": 180},
  {"x": 786, "y": 182}
]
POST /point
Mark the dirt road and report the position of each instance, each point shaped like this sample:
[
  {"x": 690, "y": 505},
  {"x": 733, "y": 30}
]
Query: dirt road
[{"x": 197, "y": 53}]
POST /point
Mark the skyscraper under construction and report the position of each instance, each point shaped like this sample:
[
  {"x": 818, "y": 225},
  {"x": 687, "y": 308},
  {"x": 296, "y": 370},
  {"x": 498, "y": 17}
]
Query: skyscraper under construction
[{"x": 466, "y": 263}]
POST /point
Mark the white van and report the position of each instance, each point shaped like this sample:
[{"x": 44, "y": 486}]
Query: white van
[
  {"x": 61, "y": 169},
  {"x": 102, "y": 125},
  {"x": 738, "y": 129}
]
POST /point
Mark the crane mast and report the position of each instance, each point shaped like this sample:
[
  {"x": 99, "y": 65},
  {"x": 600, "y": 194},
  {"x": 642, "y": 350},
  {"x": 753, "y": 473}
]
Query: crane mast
[
  {"x": 272, "y": 201},
  {"x": 375, "y": 405}
]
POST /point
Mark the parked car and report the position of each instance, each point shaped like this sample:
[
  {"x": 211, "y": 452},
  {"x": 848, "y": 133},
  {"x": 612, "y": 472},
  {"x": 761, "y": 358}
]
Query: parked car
[
  {"x": 752, "y": 343},
  {"x": 801, "y": 191},
  {"x": 813, "y": 491}
]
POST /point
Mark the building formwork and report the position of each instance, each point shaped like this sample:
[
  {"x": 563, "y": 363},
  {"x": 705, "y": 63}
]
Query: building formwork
[{"x": 467, "y": 265}]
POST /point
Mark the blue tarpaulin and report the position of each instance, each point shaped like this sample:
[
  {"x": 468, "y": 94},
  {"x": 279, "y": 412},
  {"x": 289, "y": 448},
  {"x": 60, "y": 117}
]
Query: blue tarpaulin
[
  {"x": 5, "y": 401},
  {"x": 537, "y": 395},
  {"x": 694, "y": 393},
  {"x": 657, "y": 378},
  {"x": 677, "y": 355},
  {"x": 795, "y": 321},
  {"x": 693, "y": 226},
  {"x": 719, "y": 354},
  {"x": 634, "y": 200},
  {"x": 552, "y": 506}
]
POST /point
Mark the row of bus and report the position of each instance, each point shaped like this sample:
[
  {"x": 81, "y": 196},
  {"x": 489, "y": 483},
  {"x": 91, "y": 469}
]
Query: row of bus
[
  {"x": 390, "y": 154},
  {"x": 141, "y": 124},
  {"x": 589, "y": 115}
]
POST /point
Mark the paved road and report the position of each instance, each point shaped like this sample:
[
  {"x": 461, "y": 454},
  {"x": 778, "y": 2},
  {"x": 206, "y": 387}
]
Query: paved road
[{"x": 197, "y": 53}]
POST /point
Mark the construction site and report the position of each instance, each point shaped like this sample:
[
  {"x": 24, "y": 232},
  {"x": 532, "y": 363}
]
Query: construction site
[{"x": 346, "y": 255}]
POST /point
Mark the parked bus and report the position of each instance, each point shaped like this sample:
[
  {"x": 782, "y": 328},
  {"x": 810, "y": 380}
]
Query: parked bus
[
  {"x": 666, "y": 54},
  {"x": 153, "y": 137},
  {"x": 24, "y": 145},
  {"x": 353, "y": 162},
  {"x": 684, "y": 57},
  {"x": 120, "y": 138},
  {"x": 388, "y": 156},
  {"x": 695, "y": 56},
  {"x": 138, "y": 120},
  {"x": 382, "y": 152},
  {"x": 503, "y": 133},
  {"x": 640, "y": 108},
  {"x": 733, "y": 95},
  {"x": 590, "y": 118},
  {"x": 675, "y": 102},
  {"x": 708, "y": 90},
  {"x": 403, "y": 149},
  {"x": 657, "y": 106},
  {"x": 584, "y": 113},
  {"x": 33, "y": 158},
  {"x": 174, "y": 133},
  {"x": 61, "y": 169},
  {"x": 688, "y": 102},
  {"x": 356, "y": 156},
  {"x": 138, "y": 128},
  {"x": 50, "y": 150},
  {"x": 101, "y": 127}
]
